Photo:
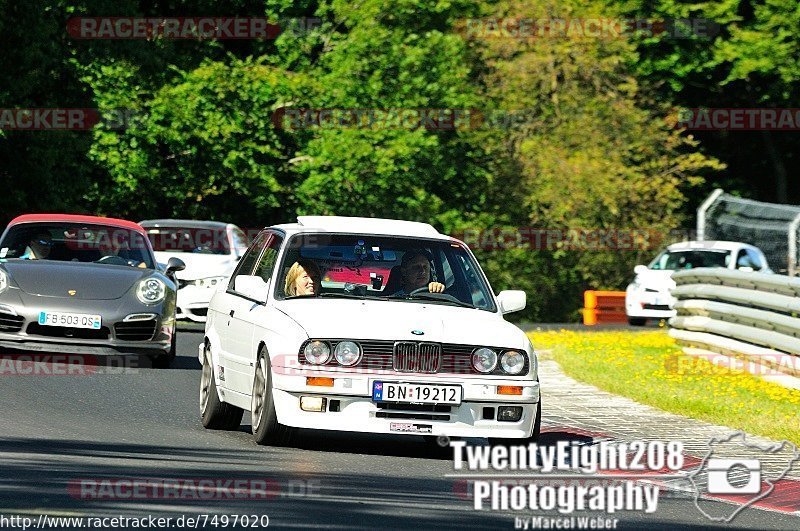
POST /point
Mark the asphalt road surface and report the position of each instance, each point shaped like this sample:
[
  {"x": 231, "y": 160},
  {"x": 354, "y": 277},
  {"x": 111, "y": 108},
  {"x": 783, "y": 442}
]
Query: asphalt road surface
[{"x": 73, "y": 445}]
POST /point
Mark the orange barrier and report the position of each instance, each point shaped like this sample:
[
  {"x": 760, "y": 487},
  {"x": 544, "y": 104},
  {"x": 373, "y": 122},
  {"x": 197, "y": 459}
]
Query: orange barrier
[{"x": 602, "y": 307}]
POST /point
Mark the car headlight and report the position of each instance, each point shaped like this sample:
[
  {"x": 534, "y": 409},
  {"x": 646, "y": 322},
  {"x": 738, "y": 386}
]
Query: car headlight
[
  {"x": 151, "y": 291},
  {"x": 512, "y": 362},
  {"x": 210, "y": 282},
  {"x": 347, "y": 353},
  {"x": 3, "y": 281},
  {"x": 484, "y": 360},
  {"x": 317, "y": 353}
]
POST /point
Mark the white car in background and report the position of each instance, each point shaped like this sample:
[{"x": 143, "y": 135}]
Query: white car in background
[
  {"x": 366, "y": 351},
  {"x": 648, "y": 296},
  {"x": 210, "y": 250}
]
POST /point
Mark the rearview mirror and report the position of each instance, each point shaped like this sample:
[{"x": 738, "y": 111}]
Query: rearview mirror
[
  {"x": 512, "y": 300},
  {"x": 251, "y": 286},
  {"x": 174, "y": 265}
]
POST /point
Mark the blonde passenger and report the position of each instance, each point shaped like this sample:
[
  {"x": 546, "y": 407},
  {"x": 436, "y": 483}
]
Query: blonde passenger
[{"x": 303, "y": 278}]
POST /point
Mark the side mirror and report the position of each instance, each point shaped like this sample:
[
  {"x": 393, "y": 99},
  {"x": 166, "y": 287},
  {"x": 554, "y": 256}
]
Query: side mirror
[
  {"x": 639, "y": 269},
  {"x": 174, "y": 265},
  {"x": 251, "y": 286},
  {"x": 512, "y": 300}
]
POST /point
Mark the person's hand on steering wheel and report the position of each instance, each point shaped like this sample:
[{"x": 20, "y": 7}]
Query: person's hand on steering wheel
[
  {"x": 436, "y": 287},
  {"x": 433, "y": 287}
]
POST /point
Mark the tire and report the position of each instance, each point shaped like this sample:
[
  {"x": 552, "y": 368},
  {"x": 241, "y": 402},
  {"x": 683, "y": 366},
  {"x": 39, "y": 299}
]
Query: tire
[
  {"x": 637, "y": 321},
  {"x": 534, "y": 437},
  {"x": 163, "y": 361},
  {"x": 216, "y": 415},
  {"x": 264, "y": 419}
]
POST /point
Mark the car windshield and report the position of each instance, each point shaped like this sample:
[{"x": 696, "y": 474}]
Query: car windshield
[
  {"x": 189, "y": 240},
  {"x": 70, "y": 242},
  {"x": 690, "y": 259},
  {"x": 383, "y": 267}
]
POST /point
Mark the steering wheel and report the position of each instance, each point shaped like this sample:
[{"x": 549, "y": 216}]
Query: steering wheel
[
  {"x": 423, "y": 289},
  {"x": 116, "y": 260}
]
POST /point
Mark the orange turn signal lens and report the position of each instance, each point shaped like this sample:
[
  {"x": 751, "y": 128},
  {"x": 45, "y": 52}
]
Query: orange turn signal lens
[
  {"x": 509, "y": 390},
  {"x": 322, "y": 382}
]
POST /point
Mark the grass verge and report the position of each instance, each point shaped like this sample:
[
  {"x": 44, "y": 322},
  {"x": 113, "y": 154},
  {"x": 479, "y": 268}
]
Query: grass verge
[{"x": 650, "y": 368}]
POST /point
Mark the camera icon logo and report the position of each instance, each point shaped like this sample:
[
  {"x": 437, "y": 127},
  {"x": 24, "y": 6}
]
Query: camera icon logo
[
  {"x": 745, "y": 480},
  {"x": 734, "y": 476}
]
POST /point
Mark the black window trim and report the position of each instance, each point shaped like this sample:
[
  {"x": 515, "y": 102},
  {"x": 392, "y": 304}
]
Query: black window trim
[{"x": 271, "y": 233}]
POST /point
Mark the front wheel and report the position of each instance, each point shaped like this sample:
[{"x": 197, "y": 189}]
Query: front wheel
[
  {"x": 264, "y": 419},
  {"x": 163, "y": 361},
  {"x": 216, "y": 415},
  {"x": 637, "y": 321}
]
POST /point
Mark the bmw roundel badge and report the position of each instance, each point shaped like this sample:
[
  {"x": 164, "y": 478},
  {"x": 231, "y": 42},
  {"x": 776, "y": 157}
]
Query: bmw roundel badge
[{"x": 418, "y": 332}]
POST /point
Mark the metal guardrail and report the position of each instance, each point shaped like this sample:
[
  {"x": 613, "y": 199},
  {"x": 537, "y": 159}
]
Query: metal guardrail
[{"x": 755, "y": 315}]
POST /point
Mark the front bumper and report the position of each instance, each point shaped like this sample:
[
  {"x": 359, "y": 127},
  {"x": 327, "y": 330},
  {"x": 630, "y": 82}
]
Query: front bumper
[
  {"x": 650, "y": 305},
  {"x": 192, "y": 303},
  {"x": 20, "y": 328},
  {"x": 476, "y": 416}
]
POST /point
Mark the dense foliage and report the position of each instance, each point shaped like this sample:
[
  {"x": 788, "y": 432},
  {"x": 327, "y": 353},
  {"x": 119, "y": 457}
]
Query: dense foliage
[{"x": 552, "y": 132}]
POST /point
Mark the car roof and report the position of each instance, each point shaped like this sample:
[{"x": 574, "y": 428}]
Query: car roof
[
  {"x": 359, "y": 225},
  {"x": 183, "y": 224},
  {"x": 716, "y": 245},
  {"x": 76, "y": 218}
]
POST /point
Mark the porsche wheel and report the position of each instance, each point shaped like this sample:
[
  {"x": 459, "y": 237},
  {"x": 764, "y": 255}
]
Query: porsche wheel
[
  {"x": 216, "y": 415},
  {"x": 163, "y": 361}
]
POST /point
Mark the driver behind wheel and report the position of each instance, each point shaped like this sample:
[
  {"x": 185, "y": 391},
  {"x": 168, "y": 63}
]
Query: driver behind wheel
[
  {"x": 120, "y": 253},
  {"x": 415, "y": 273}
]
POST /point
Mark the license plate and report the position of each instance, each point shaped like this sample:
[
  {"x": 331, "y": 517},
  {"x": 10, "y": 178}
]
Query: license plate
[
  {"x": 71, "y": 320},
  {"x": 414, "y": 393}
]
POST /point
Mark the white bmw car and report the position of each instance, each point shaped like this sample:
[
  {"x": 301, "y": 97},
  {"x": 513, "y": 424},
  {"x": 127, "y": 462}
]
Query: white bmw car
[
  {"x": 366, "y": 325},
  {"x": 648, "y": 296},
  {"x": 210, "y": 250}
]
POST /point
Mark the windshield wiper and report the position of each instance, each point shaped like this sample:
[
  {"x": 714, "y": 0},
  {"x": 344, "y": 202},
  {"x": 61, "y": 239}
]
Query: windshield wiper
[
  {"x": 343, "y": 296},
  {"x": 439, "y": 297}
]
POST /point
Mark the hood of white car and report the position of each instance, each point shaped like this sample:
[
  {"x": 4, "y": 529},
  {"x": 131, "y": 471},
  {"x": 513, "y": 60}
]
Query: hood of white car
[
  {"x": 657, "y": 279},
  {"x": 200, "y": 265},
  {"x": 398, "y": 320}
]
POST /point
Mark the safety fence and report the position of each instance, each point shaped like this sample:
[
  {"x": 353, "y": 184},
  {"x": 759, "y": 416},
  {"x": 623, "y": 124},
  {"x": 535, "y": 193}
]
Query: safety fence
[{"x": 742, "y": 314}]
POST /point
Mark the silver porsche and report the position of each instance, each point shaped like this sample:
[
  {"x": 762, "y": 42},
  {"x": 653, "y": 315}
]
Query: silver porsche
[{"x": 85, "y": 284}]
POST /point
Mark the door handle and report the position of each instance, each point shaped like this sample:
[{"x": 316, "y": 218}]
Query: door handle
[{"x": 232, "y": 312}]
